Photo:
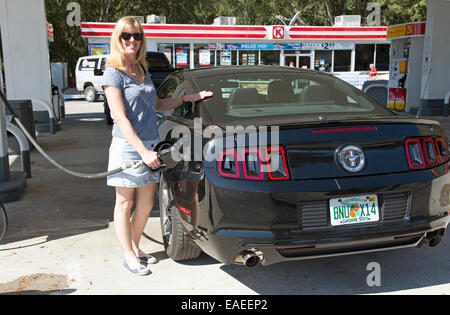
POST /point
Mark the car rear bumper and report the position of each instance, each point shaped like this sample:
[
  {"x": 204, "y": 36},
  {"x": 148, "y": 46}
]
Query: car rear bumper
[
  {"x": 272, "y": 223},
  {"x": 228, "y": 245}
]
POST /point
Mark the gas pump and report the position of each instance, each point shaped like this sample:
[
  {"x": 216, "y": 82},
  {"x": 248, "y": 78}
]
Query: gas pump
[
  {"x": 405, "y": 70},
  {"x": 398, "y": 75}
]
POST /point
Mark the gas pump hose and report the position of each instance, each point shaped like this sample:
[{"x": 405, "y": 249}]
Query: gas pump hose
[
  {"x": 166, "y": 151},
  {"x": 62, "y": 168}
]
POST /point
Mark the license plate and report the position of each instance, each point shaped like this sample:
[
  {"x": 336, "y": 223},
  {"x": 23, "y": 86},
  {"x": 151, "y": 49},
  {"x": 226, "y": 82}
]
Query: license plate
[{"x": 353, "y": 210}]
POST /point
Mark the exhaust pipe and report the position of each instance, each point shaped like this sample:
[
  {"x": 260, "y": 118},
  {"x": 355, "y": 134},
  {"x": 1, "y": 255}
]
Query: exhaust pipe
[
  {"x": 434, "y": 238},
  {"x": 250, "y": 258}
]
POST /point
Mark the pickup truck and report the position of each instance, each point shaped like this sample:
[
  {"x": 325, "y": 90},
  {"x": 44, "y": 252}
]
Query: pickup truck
[{"x": 158, "y": 67}]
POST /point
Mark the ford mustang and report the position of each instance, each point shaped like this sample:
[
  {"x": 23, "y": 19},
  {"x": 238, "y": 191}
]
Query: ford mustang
[{"x": 285, "y": 164}]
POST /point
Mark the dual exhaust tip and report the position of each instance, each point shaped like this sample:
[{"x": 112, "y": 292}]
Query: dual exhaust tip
[{"x": 253, "y": 257}]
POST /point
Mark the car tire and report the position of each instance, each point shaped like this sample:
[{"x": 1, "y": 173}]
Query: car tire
[
  {"x": 90, "y": 94},
  {"x": 177, "y": 244}
]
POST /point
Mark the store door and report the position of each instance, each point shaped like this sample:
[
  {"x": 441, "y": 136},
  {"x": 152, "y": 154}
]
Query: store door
[
  {"x": 304, "y": 62},
  {"x": 290, "y": 60},
  {"x": 298, "y": 60}
]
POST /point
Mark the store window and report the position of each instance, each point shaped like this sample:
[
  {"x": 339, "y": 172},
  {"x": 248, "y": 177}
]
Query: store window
[
  {"x": 322, "y": 60},
  {"x": 249, "y": 57},
  {"x": 203, "y": 56},
  {"x": 364, "y": 56},
  {"x": 342, "y": 60},
  {"x": 182, "y": 55},
  {"x": 382, "y": 57},
  {"x": 167, "y": 49},
  {"x": 270, "y": 57}
]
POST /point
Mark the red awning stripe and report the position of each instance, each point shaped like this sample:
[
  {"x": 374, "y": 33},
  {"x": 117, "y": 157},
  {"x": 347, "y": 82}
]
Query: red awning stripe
[
  {"x": 338, "y": 36},
  {"x": 166, "y": 35},
  {"x": 338, "y": 29}
]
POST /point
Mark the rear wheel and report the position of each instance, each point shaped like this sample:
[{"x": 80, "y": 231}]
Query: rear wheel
[
  {"x": 178, "y": 246},
  {"x": 90, "y": 94}
]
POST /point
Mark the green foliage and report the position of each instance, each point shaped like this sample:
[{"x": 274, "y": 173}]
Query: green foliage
[{"x": 69, "y": 45}]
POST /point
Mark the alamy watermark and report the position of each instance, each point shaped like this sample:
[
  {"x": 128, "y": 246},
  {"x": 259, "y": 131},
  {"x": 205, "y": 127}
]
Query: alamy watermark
[
  {"x": 374, "y": 277},
  {"x": 74, "y": 16},
  {"x": 259, "y": 140}
]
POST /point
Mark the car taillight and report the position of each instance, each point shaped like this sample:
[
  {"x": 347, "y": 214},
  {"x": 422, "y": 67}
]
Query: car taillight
[
  {"x": 276, "y": 161},
  {"x": 273, "y": 167},
  {"x": 414, "y": 154},
  {"x": 228, "y": 164},
  {"x": 430, "y": 152},
  {"x": 442, "y": 149},
  {"x": 252, "y": 164},
  {"x": 426, "y": 152}
]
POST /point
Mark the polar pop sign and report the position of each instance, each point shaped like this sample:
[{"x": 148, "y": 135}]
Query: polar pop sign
[{"x": 278, "y": 32}]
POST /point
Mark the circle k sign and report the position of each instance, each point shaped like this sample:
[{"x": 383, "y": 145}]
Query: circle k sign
[{"x": 278, "y": 32}]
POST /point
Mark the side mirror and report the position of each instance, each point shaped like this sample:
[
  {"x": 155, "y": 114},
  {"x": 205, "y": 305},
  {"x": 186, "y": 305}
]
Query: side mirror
[{"x": 98, "y": 72}]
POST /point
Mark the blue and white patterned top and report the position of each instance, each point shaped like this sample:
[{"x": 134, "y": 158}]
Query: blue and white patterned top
[{"x": 139, "y": 101}]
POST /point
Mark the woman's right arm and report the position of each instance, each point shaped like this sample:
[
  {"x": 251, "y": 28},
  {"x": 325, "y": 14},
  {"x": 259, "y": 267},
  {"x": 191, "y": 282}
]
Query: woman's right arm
[{"x": 117, "y": 107}]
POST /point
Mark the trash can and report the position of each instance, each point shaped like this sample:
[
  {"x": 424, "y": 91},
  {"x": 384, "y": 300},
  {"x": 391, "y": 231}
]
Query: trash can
[{"x": 24, "y": 110}]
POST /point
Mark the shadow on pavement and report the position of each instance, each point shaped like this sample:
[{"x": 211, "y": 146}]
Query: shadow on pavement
[
  {"x": 56, "y": 204},
  {"x": 404, "y": 269}
]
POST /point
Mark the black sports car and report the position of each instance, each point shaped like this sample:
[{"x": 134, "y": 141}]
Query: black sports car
[{"x": 292, "y": 164}]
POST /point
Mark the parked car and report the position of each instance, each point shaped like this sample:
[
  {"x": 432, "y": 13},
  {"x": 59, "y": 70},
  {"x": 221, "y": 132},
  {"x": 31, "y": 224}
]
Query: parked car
[
  {"x": 158, "y": 67},
  {"x": 88, "y": 76},
  {"x": 352, "y": 176}
]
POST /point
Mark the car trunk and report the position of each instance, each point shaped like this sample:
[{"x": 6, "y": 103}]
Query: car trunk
[{"x": 311, "y": 152}]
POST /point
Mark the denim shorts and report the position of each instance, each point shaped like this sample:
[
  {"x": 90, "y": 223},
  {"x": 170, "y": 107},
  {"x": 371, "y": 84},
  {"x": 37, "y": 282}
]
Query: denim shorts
[{"x": 120, "y": 152}]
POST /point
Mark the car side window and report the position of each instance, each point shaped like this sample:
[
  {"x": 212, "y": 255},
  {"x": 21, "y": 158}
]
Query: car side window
[
  {"x": 167, "y": 89},
  {"x": 185, "y": 110},
  {"x": 88, "y": 64}
]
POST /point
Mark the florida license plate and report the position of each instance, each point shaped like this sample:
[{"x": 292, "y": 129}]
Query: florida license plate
[{"x": 353, "y": 210}]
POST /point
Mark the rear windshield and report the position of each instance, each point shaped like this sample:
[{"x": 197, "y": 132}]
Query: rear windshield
[{"x": 302, "y": 95}]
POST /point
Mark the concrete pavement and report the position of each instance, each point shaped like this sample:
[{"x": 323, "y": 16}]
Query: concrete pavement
[{"x": 61, "y": 239}]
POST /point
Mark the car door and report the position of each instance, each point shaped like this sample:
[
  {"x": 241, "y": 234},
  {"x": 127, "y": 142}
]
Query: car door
[{"x": 184, "y": 179}]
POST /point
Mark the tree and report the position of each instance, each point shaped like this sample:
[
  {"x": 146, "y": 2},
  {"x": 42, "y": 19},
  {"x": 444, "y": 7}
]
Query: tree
[{"x": 69, "y": 45}]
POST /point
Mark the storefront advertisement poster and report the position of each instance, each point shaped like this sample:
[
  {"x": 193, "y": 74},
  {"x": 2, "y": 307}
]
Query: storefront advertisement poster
[
  {"x": 98, "y": 49},
  {"x": 204, "y": 57},
  {"x": 225, "y": 58},
  {"x": 182, "y": 57},
  {"x": 248, "y": 59}
]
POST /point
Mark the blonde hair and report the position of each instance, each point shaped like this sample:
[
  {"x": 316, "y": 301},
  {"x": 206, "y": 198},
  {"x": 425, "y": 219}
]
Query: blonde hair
[{"x": 117, "y": 55}]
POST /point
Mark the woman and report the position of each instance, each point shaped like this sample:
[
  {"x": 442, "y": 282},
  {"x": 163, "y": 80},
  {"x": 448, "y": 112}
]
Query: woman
[
  {"x": 132, "y": 100},
  {"x": 372, "y": 72}
]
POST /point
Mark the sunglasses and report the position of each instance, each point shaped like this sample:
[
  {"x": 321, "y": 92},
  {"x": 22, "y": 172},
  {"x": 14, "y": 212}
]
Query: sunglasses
[{"x": 127, "y": 36}]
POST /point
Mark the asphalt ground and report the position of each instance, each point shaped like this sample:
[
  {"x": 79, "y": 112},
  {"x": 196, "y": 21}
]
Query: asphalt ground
[{"x": 61, "y": 239}]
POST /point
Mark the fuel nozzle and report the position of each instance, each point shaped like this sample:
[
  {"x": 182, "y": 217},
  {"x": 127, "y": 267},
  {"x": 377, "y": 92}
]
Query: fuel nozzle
[{"x": 169, "y": 154}]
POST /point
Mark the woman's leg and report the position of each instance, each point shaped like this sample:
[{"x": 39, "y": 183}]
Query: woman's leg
[
  {"x": 145, "y": 197},
  {"x": 122, "y": 210}
]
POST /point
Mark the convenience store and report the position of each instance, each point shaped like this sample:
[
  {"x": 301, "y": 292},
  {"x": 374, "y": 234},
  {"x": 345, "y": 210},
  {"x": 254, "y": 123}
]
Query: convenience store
[{"x": 344, "y": 51}]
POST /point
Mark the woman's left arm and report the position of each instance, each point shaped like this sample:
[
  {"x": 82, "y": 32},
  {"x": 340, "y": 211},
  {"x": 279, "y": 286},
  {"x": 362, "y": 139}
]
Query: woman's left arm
[{"x": 164, "y": 105}]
